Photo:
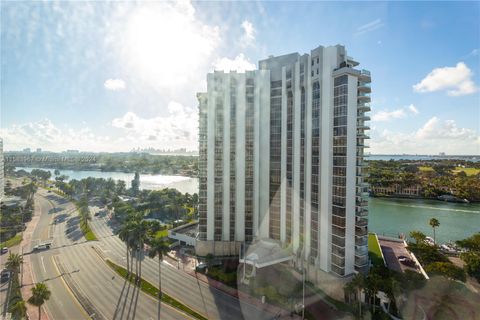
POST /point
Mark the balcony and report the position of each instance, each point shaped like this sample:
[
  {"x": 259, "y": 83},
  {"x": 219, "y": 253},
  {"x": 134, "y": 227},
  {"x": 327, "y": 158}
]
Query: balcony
[
  {"x": 362, "y": 116},
  {"x": 363, "y": 107},
  {"x": 361, "y": 231},
  {"x": 361, "y": 222},
  {"x": 361, "y": 241},
  {"x": 363, "y": 97},
  {"x": 361, "y": 250},
  {"x": 364, "y": 87},
  {"x": 361, "y": 135},
  {"x": 361, "y": 212},
  {"x": 365, "y": 76},
  {"x": 362, "y": 164},
  {"x": 361, "y": 261},
  {"x": 362, "y": 125},
  {"x": 361, "y": 203}
]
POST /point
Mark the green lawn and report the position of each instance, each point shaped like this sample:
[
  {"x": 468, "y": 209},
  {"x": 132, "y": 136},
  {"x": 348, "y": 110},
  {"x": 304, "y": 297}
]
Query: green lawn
[
  {"x": 150, "y": 289},
  {"x": 87, "y": 232},
  {"x": 12, "y": 241},
  {"x": 424, "y": 168},
  {"x": 162, "y": 233},
  {"x": 468, "y": 171},
  {"x": 374, "y": 250}
]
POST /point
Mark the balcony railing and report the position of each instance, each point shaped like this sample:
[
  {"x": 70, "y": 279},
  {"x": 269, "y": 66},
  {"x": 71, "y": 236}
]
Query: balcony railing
[
  {"x": 361, "y": 241},
  {"x": 361, "y": 261}
]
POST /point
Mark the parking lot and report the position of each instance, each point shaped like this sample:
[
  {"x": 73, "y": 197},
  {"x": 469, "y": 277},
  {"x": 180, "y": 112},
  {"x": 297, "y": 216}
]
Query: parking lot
[{"x": 391, "y": 251}]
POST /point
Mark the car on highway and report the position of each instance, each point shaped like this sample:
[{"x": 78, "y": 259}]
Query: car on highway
[
  {"x": 406, "y": 261},
  {"x": 42, "y": 246},
  {"x": 4, "y": 250}
]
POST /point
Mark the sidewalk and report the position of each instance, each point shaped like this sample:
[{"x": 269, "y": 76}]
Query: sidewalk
[
  {"x": 243, "y": 297},
  {"x": 28, "y": 278}
]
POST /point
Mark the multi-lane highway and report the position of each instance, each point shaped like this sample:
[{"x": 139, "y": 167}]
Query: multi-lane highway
[
  {"x": 82, "y": 285},
  {"x": 209, "y": 301}
]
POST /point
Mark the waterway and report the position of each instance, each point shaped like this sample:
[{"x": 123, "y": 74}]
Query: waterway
[
  {"x": 387, "y": 216},
  {"x": 147, "y": 181}
]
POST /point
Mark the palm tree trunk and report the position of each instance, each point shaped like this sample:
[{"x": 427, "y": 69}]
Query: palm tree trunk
[
  {"x": 39, "y": 312},
  {"x": 140, "y": 264},
  {"x": 128, "y": 262},
  {"x": 159, "y": 287},
  {"x": 434, "y": 238}
]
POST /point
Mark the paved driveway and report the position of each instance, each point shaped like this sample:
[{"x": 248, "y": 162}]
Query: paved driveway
[{"x": 391, "y": 251}]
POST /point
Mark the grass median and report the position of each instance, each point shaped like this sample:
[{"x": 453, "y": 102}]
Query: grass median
[
  {"x": 12, "y": 241},
  {"x": 87, "y": 232},
  {"x": 150, "y": 289}
]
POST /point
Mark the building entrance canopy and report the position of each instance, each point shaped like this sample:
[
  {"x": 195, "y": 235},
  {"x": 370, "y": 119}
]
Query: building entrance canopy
[{"x": 265, "y": 252}]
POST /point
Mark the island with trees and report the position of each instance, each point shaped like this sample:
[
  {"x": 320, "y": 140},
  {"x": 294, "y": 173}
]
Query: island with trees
[{"x": 447, "y": 180}]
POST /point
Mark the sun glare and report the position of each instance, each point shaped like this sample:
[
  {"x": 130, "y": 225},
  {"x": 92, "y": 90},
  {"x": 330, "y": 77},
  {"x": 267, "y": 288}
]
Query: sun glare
[{"x": 165, "y": 42}]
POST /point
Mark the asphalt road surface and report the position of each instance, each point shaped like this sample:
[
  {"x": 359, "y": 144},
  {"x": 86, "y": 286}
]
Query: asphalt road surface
[{"x": 96, "y": 285}]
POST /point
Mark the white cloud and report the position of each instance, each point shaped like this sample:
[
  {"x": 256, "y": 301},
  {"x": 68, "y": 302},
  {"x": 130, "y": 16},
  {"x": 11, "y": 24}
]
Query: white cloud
[
  {"x": 389, "y": 115},
  {"x": 44, "y": 134},
  {"x": 433, "y": 137},
  {"x": 239, "y": 64},
  {"x": 248, "y": 37},
  {"x": 369, "y": 27},
  {"x": 456, "y": 80},
  {"x": 114, "y": 84},
  {"x": 413, "y": 109},
  {"x": 437, "y": 129},
  {"x": 179, "y": 129}
]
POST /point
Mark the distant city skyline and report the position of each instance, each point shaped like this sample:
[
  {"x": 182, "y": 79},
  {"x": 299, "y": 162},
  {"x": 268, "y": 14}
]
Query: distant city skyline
[{"x": 108, "y": 76}]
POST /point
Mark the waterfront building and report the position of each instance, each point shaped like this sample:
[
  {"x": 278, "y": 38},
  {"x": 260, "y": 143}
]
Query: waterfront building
[{"x": 281, "y": 159}]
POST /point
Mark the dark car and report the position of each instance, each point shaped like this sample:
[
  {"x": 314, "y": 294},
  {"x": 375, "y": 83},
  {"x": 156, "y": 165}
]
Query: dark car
[
  {"x": 5, "y": 275},
  {"x": 406, "y": 261},
  {"x": 4, "y": 250}
]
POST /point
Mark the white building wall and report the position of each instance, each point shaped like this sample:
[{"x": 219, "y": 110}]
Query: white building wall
[
  {"x": 296, "y": 158},
  {"x": 351, "y": 180},
  {"x": 308, "y": 156},
  {"x": 283, "y": 186},
  {"x": 210, "y": 155},
  {"x": 226, "y": 158},
  {"x": 240, "y": 160},
  {"x": 326, "y": 90},
  {"x": 263, "y": 77}
]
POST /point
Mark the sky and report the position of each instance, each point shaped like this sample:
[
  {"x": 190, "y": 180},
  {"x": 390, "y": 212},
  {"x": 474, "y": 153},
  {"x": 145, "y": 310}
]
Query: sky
[{"x": 113, "y": 76}]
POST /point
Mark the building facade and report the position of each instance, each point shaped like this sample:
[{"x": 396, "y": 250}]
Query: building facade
[{"x": 281, "y": 156}]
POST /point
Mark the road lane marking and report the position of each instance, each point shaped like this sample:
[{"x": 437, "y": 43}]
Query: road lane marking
[
  {"x": 70, "y": 291},
  {"x": 43, "y": 264}
]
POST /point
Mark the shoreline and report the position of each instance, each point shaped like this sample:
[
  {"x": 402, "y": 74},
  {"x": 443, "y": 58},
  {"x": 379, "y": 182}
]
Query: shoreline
[{"x": 420, "y": 198}]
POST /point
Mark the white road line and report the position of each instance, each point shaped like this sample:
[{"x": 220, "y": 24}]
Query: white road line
[{"x": 43, "y": 265}]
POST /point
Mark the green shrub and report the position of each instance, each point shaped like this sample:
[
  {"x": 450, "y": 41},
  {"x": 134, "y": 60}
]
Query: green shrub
[{"x": 446, "y": 269}]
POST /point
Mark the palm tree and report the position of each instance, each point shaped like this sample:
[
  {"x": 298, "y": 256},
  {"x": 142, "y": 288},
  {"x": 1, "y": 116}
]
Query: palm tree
[
  {"x": 358, "y": 282},
  {"x": 14, "y": 261},
  {"x": 434, "y": 223},
  {"x": 418, "y": 236},
  {"x": 18, "y": 309},
  {"x": 40, "y": 294},
  {"x": 158, "y": 248},
  {"x": 125, "y": 234},
  {"x": 349, "y": 290}
]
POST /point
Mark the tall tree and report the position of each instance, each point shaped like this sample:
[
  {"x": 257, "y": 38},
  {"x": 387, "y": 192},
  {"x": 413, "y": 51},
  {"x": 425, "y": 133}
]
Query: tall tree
[
  {"x": 158, "y": 248},
  {"x": 434, "y": 223},
  {"x": 40, "y": 294},
  {"x": 418, "y": 236},
  {"x": 14, "y": 261},
  {"x": 358, "y": 282}
]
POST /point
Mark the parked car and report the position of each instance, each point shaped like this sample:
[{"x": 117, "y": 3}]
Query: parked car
[
  {"x": 406, "y": 261},
  {"x": 4, "y": 250},
  {"x": 5, "y": 275},
  {"x": 201, "y": 267}
]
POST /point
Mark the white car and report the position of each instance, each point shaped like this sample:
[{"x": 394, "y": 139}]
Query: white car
[{"x": 42, "y": 246}]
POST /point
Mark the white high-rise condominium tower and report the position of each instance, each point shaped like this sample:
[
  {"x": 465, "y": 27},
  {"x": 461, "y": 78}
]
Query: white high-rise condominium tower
[
  {"x": 2, "y": 173},
  {"x": 282, "y": 158}
]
